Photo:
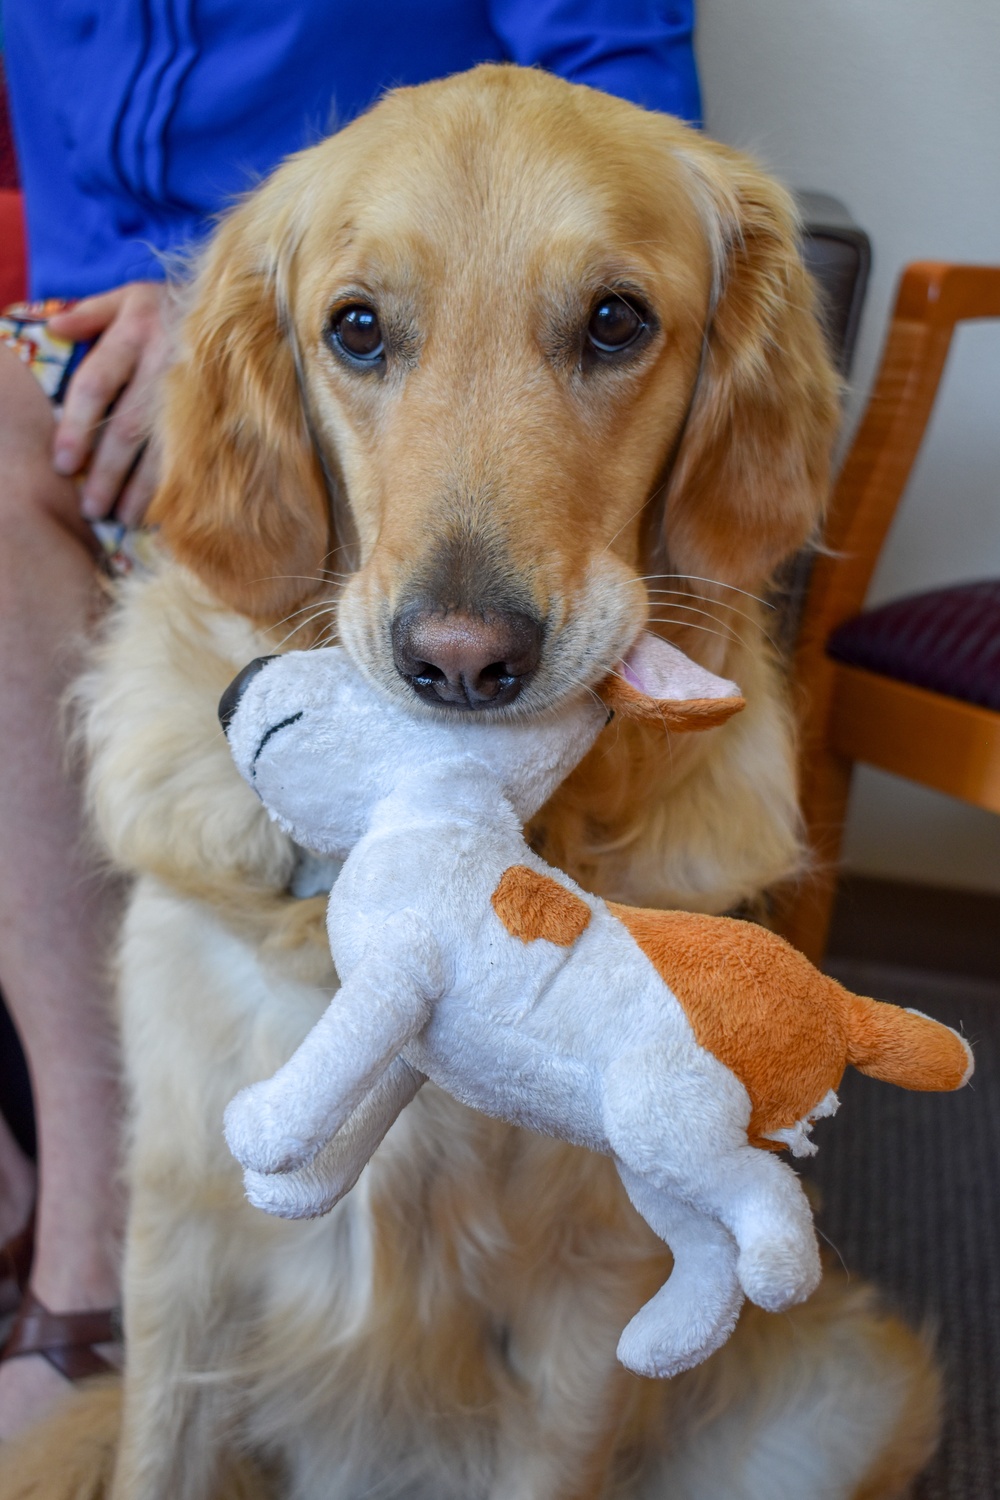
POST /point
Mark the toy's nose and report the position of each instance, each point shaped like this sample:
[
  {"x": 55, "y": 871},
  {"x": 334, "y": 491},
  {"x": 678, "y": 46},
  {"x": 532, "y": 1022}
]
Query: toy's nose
[{"x": 230, "y": 700}]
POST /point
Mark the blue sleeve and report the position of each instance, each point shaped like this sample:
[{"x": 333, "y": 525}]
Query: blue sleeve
[{"x": 642, "y": 50}]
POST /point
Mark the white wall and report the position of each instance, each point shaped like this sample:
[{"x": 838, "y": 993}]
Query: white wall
[{"x": 894, "y": 107}]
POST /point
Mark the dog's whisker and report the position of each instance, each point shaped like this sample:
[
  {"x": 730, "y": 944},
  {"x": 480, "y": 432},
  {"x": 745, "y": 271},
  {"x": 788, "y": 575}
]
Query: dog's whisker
[
  {"x": 315, "y": 607},
  {"x": 658, "y": 596},
  {"x": 290, "y": 634},
  {"x": 734, "y": 632},
  {"x": 286, "y": 577},
  {"x": 312, "y": 613},
  {"x": 323, "y": 576},
  {"x": 292, "y": 630},
  {"x": 725, "y": 625},
  {"x": 629, "y": 519},
  {"x": 690, "y": 625},
  {"x": 595, "y": 695},
  {"x": 715, "y": 582},
  {"x": 612, "y": 671},
  {"x": 715, "y": 603},
  {"x": 757, "y": 626}
]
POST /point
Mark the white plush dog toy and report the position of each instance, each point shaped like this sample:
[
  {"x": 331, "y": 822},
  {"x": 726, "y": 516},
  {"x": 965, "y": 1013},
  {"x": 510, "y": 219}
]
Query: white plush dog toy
[{"x": 679, "y": 1045}]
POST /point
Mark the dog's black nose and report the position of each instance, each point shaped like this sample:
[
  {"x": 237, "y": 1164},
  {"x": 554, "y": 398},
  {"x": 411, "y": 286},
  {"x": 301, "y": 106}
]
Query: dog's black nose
[
  {"x": 230, "y": 700},
  {"x": 463, "y": 660}
]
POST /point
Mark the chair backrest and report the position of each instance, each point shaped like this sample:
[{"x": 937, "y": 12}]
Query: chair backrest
[
  {"x": 932, "y": 298},
  {"x": 838, "y": 255}
]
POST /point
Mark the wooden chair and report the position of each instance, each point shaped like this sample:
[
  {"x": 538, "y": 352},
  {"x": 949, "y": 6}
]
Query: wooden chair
[{"x": 888, "y": 701}]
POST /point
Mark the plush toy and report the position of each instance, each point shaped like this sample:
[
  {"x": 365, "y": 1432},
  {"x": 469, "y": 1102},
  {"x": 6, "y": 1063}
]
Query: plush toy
[{"x": 688, "y": 1048}]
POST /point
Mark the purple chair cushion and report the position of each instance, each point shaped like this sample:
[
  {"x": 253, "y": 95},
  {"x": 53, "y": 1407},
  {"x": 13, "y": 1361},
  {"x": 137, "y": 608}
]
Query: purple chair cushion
[{"x": 947, "y": 641}]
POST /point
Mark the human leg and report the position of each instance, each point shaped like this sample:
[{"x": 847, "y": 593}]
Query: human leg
[
  {"x": 17, "y": 1191},
  {"x": 56, "y": 912}
]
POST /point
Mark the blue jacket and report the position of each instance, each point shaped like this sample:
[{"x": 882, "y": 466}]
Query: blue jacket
[{"x": 137, "y": 120}]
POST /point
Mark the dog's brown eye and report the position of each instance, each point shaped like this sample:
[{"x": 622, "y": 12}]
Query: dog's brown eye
[
  {"x": 356, "y": 332},
  {"x": 614, "y": 325}
]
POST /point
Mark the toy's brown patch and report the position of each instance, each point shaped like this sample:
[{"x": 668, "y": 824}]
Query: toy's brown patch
[
  {"x": 755, "y": 1003},
  {"x": 786, "y": 1030},
  {"x": 680, "y": 715},
  {"x": 533, "y": 906}
]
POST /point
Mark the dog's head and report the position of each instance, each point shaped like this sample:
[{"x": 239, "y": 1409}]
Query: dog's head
[
  {"x": 321, "y": 744},
  {"x": 493, "y": 352}
]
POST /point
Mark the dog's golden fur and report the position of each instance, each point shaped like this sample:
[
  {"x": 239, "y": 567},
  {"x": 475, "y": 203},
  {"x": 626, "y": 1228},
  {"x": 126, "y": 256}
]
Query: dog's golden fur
[{"x": 449, "y": 1331}]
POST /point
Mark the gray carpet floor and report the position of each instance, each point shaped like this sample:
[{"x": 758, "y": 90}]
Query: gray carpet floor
[{"x": 910, "y": 1199}]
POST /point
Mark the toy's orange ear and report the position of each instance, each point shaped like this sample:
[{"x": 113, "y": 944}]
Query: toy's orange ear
[{"x": 660, "y": 685}]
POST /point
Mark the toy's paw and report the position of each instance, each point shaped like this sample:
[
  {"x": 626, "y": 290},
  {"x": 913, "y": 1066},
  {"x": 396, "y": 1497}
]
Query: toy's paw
[
  {"x": 780, "y": 1271},
  {"x": 663, "y": 1340},
  {"x": 258, "y": 1137},
  {"x": 316, "y": 1188},
  {"x": 288, "y": 1196}
]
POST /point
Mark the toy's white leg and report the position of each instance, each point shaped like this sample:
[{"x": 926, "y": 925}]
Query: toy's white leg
[
  {"x": 761, "y": 1201},
  {"x": 695, "y": 1311},
  {"x": 679, "y": 1120},
  {"x": 314, "y": 1189},
  {"x": 281, "y": 1123}
]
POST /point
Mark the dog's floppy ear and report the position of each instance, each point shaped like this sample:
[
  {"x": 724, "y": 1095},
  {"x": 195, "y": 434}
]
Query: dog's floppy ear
[
  {"x": 658, "y": 684},
  {"x": 242, "y": 500},
  {"x": 751, "y": 474}
]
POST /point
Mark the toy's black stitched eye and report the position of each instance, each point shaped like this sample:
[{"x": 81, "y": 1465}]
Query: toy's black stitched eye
[
  {"x": 614, "y": 325},
  {"x": 356, "y": 333}
]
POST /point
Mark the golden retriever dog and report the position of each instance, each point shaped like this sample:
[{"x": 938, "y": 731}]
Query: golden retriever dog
[{"x": 480, "y": 385}]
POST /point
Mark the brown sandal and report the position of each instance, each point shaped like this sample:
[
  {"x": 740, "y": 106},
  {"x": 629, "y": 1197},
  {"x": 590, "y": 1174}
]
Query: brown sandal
[{"x": 66, "y": 1340}]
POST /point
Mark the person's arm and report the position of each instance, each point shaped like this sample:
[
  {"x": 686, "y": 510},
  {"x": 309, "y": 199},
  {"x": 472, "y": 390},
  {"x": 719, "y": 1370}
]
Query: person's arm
[
  {"x": 641, "y": 50},
  {"x": 106, "y": 417}
]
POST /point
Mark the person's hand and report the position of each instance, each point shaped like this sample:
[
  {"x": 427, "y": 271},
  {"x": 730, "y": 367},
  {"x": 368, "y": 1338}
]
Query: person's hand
[{"x": 121, "y": 371}]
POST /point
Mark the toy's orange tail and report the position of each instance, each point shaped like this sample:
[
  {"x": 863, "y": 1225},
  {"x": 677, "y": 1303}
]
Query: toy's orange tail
[{"x": 905, "y": 1047}]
